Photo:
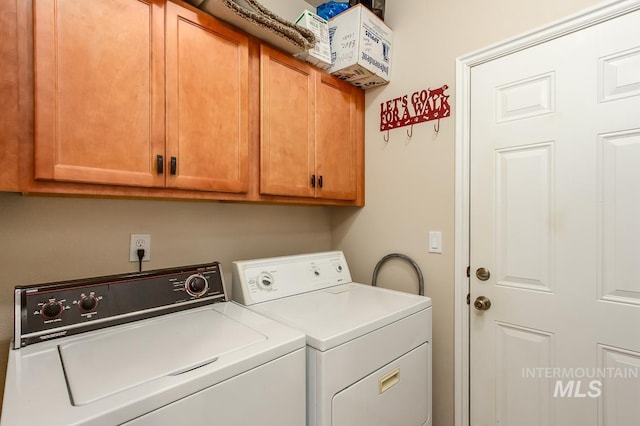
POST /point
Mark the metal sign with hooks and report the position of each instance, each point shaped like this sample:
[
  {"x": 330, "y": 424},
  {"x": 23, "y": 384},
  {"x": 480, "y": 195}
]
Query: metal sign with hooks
[{"x": 424, "y": 105}]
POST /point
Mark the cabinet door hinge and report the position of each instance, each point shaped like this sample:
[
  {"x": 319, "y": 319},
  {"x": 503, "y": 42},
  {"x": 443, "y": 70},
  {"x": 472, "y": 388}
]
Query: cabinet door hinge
[
  {"x": 468, "y": 271},
  {"x": 468, "y": 298}
]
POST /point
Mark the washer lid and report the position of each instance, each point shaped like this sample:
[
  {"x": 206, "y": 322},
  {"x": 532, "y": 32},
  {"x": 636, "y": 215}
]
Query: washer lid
[
  {"x": 335, "y": 315},
  {"x": 111, "y": 362}
]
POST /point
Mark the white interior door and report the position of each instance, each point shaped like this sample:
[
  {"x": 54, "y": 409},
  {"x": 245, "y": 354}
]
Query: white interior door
[{"x": 555, "y": 219}]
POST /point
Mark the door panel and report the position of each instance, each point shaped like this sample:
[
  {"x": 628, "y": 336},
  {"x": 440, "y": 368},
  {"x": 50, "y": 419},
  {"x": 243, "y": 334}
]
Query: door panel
[
  {"x": 387, "y": 397},
  {"x": 336, "y": 140},
  {"x": 554, "y": 208},
  {"x": 619, "y": 180},
  {"x": 620, "y": 404},
  {"x": 207, "y": 103},
  {"x": 619, "y": 75},
  {"x": 287, "y": 140},
  {"x": 99, "y": 95},
  {"x": 517, "y": 346},
  {"x": 526, "y": 98},
  {"x": 524, "y": 203}
]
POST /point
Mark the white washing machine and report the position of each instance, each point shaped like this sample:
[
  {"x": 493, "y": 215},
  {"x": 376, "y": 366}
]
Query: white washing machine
[
  {"x": 158, "y": 348},
  {"x": 368, "y": 348}
]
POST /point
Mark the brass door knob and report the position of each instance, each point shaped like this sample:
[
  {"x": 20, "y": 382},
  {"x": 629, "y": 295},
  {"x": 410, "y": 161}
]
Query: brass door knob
[
  {"x": 482, "y": 303},
  {"x": 483, "y": 274}
]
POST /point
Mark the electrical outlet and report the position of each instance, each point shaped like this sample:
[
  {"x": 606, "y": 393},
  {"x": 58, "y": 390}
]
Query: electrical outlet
[{"x": 140, "y": 241}]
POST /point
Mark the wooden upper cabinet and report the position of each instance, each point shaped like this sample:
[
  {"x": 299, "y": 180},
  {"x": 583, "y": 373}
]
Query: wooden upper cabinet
[
  {"x": 207, "y": 103},
  {"x": 151, "y": 98},
  {"x": 287, "y": 137},
  {"x": 99, "y": 90},
  {"x": 312, "y": 132}
]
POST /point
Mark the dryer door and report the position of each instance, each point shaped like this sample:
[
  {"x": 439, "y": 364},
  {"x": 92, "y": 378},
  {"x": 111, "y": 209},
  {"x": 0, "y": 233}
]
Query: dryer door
[{"x": 398, "y": 394}]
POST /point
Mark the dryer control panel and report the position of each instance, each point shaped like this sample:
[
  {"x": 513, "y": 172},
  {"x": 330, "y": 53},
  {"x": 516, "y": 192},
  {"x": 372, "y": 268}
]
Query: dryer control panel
[
  {"x": 47, "y": 311},
  {"x": 262, "y": 280}
]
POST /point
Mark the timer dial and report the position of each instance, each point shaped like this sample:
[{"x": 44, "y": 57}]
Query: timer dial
[
  {"x": 265, "y": 281},
  {"x": 51, "y": 310},
  {"x": 87, "y": 303},
  {"x": 196, "y": 285}
]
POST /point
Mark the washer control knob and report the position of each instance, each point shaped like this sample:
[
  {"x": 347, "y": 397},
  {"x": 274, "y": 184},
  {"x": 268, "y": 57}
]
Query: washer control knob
[
  {"x": 265, "y": 281},
  {"x": 88, "y": 303},
  {"x": 196, "y": 285},
  {"x": 51, "y": 310},
  {"x": 339, "y": 268}
]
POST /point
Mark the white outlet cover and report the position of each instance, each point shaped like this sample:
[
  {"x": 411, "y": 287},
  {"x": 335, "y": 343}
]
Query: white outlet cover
[{"x": 136, "y": 242}]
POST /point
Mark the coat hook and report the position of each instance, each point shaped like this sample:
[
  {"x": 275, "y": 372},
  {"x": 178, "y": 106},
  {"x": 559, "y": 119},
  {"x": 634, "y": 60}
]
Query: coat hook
[
  {"x": 410, "y": 134},
  {"x": 386, "y": 137},
  {"x": 437, "y": 129}
]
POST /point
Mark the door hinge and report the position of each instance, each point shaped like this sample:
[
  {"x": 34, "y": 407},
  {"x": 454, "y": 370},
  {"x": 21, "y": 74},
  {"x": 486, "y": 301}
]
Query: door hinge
[
  {"x": 468, "y": 298},
  {"x": 468, "y": 271}
]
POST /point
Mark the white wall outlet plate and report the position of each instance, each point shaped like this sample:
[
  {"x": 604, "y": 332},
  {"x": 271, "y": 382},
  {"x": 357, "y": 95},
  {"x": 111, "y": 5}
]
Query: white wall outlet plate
[{"x": 140, "y": 241}]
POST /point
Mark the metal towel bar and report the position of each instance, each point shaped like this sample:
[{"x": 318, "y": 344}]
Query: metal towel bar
[{"x": 405, "y": 258}]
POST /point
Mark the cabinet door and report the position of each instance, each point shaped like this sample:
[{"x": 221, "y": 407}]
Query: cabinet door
[
  {"x": 99, "y": 90},
  {"x": 10, "y": 118},
  {"x": 207, "y": 103},
  {"x": 287, "y": 138},
  {"x": 338, "y": 138}
]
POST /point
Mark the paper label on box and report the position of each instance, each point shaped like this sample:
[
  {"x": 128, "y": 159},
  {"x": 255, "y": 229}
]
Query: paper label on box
[
  {"x": 375, "y": 51},
  {"x": 320, "y": 54}
]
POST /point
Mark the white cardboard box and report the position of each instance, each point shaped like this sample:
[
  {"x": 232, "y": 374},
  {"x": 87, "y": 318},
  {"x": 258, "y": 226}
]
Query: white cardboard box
[
  {"x": 320, "y": 55},
  {"x": 360, "y": 47}
]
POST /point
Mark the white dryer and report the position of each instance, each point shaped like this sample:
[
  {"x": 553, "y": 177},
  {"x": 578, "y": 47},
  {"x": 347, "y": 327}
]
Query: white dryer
[
  {"x": 158, "y": 348},
  {"x": 368, "y": 348}
]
